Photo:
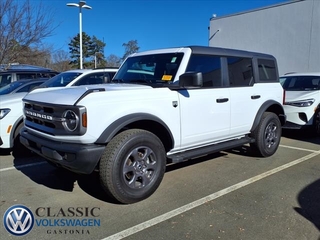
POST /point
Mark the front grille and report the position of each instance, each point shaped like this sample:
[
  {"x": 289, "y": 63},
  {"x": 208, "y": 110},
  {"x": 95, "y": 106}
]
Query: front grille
[{"x": 48, "y": 118}]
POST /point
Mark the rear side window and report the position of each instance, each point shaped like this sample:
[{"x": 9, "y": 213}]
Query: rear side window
[
  {"x": 240, "y": 71},
  {"x": 210, "y": 66},
  {"x": 94, "y": 78},
  {"x": 29, "y": 87},
  {"x": 267, "y": 70},
  {"x": 26, "y": 76},
  {"x": 5, "y": 79}
]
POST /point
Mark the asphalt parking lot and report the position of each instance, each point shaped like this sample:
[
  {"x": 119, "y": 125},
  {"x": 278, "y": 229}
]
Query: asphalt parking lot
[{"x": 228, "y": 195}]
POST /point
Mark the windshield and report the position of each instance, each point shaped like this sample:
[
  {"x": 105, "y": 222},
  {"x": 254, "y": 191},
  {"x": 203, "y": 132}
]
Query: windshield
[
  {"x": 300, "y": 83},
  {"x": 10, "y": 87},
  {"x": 149, "y": 69},
  {"x": 61, "y": 79}
]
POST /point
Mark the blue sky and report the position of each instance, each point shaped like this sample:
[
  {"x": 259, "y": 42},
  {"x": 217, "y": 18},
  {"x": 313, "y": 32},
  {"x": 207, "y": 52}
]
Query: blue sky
[{"x": 153, "y": 23}]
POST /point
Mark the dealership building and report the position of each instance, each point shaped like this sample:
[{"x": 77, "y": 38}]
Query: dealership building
[{"x": 290, "y": 31}]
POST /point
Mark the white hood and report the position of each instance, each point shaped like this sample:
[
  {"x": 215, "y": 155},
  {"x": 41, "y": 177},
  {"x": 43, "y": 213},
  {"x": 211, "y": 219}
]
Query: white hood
[
  {"x": 70, "y": 95},
  {"x": 11, "y": 98}
]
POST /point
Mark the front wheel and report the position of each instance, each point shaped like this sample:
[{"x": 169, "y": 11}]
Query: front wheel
[
  {"x": 132, "y": 165},
  {"x": 267, "y": 135},
  {"x": 316, "y": 123}
]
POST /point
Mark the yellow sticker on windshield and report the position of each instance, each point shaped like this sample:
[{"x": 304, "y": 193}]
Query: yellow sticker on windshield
[{"x": 166, "y": 77}]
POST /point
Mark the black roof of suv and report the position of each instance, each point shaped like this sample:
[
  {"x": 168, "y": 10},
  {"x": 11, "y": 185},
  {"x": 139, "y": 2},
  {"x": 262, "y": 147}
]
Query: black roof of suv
[{"x": 14, "y": 72}]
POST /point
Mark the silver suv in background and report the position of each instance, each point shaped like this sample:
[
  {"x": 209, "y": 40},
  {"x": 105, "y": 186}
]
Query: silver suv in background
[{"x": 302, "y": 100}]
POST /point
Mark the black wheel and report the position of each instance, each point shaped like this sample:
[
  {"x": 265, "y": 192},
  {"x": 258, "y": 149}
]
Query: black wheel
[
  {"x": 267, "y": 135},
  {"x": 132, "y": 166},
  {"x": 316, "y": 123}
]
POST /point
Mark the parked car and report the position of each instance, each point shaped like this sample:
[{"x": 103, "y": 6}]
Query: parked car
[
  {"x": 302, "y": 100},
  {"x": 78, "y": 77},
  {"x": 25, "y": 85},
  {"x": 164, "y": 106},
  {"x": 11, "y": 115},
  {"x": 14, "y": 72}
]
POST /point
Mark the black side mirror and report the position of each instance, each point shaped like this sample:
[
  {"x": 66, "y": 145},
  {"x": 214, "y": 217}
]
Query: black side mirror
[{"x": 191, "y": 80}]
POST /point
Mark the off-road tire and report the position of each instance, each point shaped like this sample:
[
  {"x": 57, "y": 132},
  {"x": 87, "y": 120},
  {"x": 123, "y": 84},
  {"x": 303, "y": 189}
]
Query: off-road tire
[
  {"x": 267, "y": 135},
  {"x": 132, "y": 165}
]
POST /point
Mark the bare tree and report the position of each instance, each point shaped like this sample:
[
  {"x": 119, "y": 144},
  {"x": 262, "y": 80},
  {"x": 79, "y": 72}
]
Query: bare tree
[
  {"x": 22, "y": 26},
  {"x": 60, "y": 61},
  {"x": 113, "y": 61},
  {"x": 130, "y": 47}
]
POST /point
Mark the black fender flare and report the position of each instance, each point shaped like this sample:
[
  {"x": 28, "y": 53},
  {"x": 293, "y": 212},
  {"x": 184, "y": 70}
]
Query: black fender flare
[
  {"x": 271, "y": 106},
  {"x": 120, "y": 123},
  {"x": 14, "y": 129}
]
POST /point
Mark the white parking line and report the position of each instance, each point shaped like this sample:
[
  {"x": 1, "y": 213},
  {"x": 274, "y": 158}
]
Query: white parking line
[
  {"x": 296, "y": 148},
  {"x": 21, "y": 166},
  {"x": 187, "y": 207}
]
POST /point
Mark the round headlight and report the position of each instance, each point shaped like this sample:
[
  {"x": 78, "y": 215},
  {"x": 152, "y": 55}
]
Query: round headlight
[{"x": 71, "y": 120}]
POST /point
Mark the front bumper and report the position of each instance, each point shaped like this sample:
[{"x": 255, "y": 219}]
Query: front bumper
[
  {"x": 78, "y": 158},
  {"x": 291, "y": 125}
]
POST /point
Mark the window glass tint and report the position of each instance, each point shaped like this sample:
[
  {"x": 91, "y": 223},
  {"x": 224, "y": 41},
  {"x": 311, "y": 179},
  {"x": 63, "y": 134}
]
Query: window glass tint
[
  {"x": 94, "y": 78},
  {"x": 45, "y": 75},
  {"x": 267, "y": 70},
  {"x": 29, "y": 87},
  {"x": 61, "y": 79},
  {"x": 300, "y": 83},
  {"x": 210, "y": 66},
  {"x": 111, "y": 74},
  {"x": 240, "y": 71},
  {"x": 5, "y": 79},
  {"x": 26, "y": 76}
]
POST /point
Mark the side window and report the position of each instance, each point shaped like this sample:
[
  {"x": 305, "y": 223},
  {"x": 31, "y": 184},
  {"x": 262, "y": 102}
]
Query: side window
[
  {"x": 26, "y": 76},
  {"x": 108, "y": 77},
  {"x": 28, "y": 87},
  {"x": 210, "y": 66},
  {"x": 240, "y": 71},
  {"x": 44, "y": 75},
  {"x": 267, "y": 70},
  {"x": 111, "y": 75},
  {"x": 93, "y": 78},
  {"x": 5, "y": 79}
]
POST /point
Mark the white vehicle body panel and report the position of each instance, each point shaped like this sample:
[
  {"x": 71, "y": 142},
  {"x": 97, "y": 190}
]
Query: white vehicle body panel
[
  {"x": 292, "y": 112},
  {"x": 8, "y": 123},
  {"x": 301, "y": 115}
]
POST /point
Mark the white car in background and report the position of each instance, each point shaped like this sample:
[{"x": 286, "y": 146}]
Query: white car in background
[
  {"x": 11, "y": 118},
  {"x": 11, "y": 115},
  {"x": 302, "y": 100},
  {"x": 78, "y": 77}
]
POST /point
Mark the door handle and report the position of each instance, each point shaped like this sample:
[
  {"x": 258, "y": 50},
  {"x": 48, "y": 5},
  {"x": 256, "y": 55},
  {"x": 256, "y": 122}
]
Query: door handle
[
  {"x": 255, "y": 96},
  {"x": 222, "y": 100}
]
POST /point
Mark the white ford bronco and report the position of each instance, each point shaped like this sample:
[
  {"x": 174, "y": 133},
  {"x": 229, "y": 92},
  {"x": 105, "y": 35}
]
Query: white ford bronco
[{"x": 163, "y": 106}]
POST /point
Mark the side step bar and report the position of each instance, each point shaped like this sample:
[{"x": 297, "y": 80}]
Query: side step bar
[{"x": 182, "y": 156}]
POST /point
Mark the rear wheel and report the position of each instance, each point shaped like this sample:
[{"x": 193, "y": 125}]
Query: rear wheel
[
  {"x": 267, "y": 135},
  {"x": 132, "y": 165}
]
